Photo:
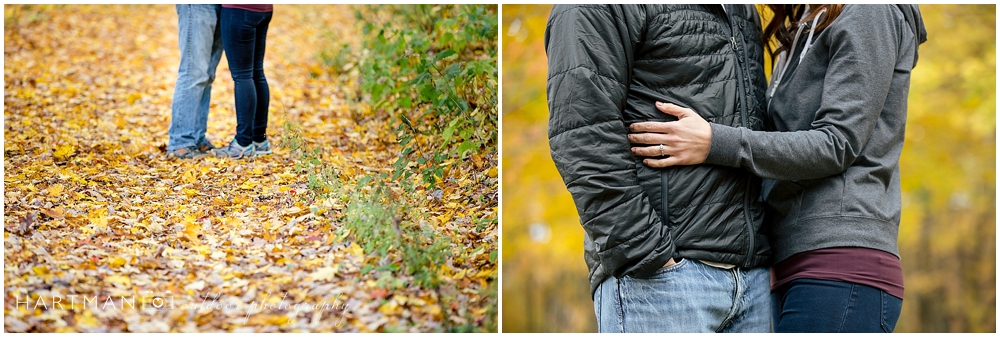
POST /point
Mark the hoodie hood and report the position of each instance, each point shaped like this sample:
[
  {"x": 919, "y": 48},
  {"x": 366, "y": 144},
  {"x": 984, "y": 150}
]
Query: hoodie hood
[{"x": 912, "y": 15}]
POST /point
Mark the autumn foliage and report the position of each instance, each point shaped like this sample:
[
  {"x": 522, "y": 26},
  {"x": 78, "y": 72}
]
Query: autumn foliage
[{"x": 307, "y": 239}]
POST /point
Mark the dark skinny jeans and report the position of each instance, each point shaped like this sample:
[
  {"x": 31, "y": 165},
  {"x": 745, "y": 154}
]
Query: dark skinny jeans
[{"x": 244, "y": 37}]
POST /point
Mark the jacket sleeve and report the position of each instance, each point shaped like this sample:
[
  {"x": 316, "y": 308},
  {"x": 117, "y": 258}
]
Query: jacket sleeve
[
  {"x": 589, "y": 49},
  {"x": 855, "y": 87}
]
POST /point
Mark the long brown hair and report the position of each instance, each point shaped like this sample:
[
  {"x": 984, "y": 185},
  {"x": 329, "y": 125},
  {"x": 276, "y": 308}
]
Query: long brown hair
[{"x": 782, "y": 25}]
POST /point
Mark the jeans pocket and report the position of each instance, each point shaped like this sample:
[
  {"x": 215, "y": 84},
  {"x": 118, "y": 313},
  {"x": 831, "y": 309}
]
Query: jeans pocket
[
  {"x": 253, "y": 20},
  {"x": 663, "y": 272},
  {"x": 891, "y": 306},
  {"x": 247, "y": 19}
]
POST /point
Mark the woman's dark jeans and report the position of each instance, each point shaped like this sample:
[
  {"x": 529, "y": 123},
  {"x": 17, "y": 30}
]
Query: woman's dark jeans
[
  {"x": 811, "y": 305},
  {"x": 244, "y": 37}
]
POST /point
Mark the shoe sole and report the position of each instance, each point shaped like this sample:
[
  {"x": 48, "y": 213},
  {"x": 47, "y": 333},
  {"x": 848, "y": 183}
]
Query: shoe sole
[
  {"x": 223, "y": 154},
  {"x": 198, "y": 156},
  {"x": 232, "y": 157}
]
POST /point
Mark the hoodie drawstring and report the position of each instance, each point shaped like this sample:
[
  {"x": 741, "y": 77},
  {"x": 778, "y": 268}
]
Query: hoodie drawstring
[
  {"x": 812, "y": 30},
  {"x": 784, "y": 60}
]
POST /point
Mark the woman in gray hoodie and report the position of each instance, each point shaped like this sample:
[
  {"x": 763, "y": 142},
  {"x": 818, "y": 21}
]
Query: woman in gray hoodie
[{"x": 830, "y": 160}]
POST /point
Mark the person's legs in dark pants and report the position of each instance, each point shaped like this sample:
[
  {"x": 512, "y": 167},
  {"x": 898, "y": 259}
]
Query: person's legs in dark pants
[
  {"x": 260, "y": 82},
  {"x": 240, "y": 31}
]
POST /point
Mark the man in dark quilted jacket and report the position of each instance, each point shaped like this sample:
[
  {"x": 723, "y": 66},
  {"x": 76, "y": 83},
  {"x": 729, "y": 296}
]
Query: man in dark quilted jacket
[{"x": 678, "y": 249}]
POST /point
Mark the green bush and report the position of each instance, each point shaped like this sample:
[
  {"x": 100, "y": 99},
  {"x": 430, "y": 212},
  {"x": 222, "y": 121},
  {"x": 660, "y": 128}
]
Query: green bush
[
  {"x": 381, "y": 229},
  {"x": 432, "y": 69}
]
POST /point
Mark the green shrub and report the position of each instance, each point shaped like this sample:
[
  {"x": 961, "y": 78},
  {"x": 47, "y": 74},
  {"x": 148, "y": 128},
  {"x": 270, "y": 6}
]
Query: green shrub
[
  {"x": 431, "y": 69},
  {"x": 380, "y": 229}
]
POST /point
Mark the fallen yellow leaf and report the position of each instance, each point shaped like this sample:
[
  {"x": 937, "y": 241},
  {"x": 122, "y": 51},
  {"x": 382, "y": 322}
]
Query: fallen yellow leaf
[
  {"x": 434, "y": 310},
  {"x": 356, "y": 250},
  {"x": 191, "y": 229},
  {"x": 190, "y": 192},
  {"x": 202, "y": 249},
  {"x": 41, "y": 270},
  {"x": 389, "y": 307},
  {"x": 55, "y": 190},
  {"x": 116, "y": 262},
  {"x": 100, "y": 221},
  {"x": 248, "y": 185},
  {"x": 188, "y": 177},
  {"x": 132, "y": 97},
  {"x": 63, "y": 152}
]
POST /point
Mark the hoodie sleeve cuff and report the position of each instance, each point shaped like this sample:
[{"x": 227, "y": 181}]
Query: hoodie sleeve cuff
[{"x": 725, "y": 146}]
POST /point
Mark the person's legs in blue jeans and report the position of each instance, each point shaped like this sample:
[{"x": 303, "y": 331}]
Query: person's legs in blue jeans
[
  {"x": 201, "y": 49},
  {"x": 811, "y": 305},
  {"x": 241, "y": 29},
  {"x": 755, "y": 303},
  {"x": 689, "y": 296}
]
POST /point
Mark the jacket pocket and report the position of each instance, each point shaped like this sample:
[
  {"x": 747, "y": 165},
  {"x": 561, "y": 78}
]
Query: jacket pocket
[
  {"x": 783, "y": 200},
  {"x": 649, "y": 179},
  {"x": 823, "y": 197},
  {"x": 867, "y": 196}
]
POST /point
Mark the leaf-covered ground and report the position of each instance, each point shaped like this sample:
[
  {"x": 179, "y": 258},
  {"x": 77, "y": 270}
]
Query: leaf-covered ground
[{"x": 100, "y": 227}]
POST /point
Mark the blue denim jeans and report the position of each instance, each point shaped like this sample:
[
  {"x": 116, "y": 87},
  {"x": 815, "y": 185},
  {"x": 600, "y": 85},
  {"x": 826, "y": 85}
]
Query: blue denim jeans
[
  {"x": 201, "y": 48},
  {"x": 688, "y": 296},
  {"x": 810, "y": 305},
  {"x": 244, "y": 36}
]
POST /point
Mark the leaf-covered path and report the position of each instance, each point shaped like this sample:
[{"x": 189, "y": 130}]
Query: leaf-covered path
[{"x": 102, "y": 233}]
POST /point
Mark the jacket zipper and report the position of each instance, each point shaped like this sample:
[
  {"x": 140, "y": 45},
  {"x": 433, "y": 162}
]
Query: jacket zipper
[
  {"x": 664, "y": 204},
  {"x": 746, "y": 123}
]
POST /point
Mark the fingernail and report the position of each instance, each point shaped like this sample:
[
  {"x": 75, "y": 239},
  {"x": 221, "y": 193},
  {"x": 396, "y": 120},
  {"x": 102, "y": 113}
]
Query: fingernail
[
  {"x": 658, "y": 103},
  {"x": 633, "y": 150}
]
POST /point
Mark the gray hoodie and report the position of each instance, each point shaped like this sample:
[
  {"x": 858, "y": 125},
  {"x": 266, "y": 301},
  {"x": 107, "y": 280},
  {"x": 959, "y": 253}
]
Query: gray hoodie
[{"x": 832, "y": 174}]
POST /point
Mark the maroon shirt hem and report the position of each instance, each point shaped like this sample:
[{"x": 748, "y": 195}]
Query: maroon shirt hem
[
  {"x": 870, "y": 267},
  {"x": 252, "y": 8}
]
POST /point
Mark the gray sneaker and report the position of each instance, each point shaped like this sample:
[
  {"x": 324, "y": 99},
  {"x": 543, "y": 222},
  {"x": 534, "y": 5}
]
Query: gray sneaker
[
  {"x": 190, "y": 152},
  {"x": 261, "y": 148},
  {"x": 234, "y": 150}
]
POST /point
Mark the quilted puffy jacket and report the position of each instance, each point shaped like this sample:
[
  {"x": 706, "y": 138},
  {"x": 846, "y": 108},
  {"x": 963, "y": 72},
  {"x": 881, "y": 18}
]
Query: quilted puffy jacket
[{"x": 608, "y": 65}]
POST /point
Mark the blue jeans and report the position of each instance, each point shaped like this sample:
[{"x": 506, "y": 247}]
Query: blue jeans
[
  {"x": 810, "y": 305},
  {"x": 244, "y": 36},
  {"x": 689, "y": 296},
  {"x": 201, "y": 48}
]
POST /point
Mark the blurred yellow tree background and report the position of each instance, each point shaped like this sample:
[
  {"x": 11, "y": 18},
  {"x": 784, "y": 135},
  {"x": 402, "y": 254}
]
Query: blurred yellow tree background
[{"x": 948, "y": 232}]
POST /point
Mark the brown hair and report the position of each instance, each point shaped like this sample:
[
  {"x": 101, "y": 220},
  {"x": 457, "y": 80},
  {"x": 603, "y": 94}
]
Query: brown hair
[{"x": 782, "y": 24}]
